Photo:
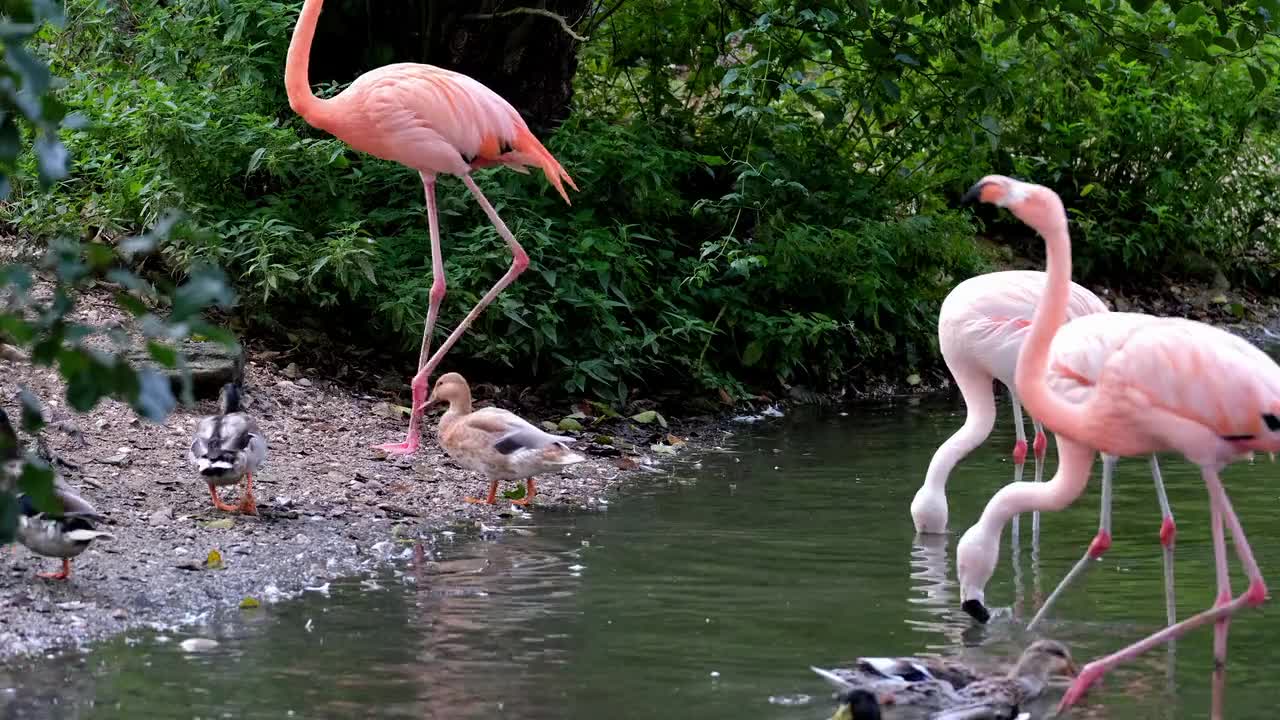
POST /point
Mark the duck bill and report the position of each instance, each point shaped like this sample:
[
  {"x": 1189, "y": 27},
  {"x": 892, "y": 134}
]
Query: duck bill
[{"x": 843, "y": 713}]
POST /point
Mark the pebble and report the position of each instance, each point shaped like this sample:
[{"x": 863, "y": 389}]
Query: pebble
[
  {"x": 198, "y": 644},
  {"x": 119, "y": 613}
]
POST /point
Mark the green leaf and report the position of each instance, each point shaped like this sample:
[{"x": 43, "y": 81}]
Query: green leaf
[
  {"x": 646, "y": 417},
  {"x": 1259, "y": 77},
  {"x": 569, "y": 425},
  {"x": 906, "y": 59},
  {"x": 36, "y": 483},
  {"x": 155, "y": 398},
  {"x": 729, "y": 76},
  {"x": 1225, "y": 43},
  {"x": 162, "y": 353},
  {"x": 1190, "y": 13},
  {"x": 32, "y": 413},
  {"x": 1141, "y": 5},
  {"x": 752, "y": 354},
  {"x": 10, "y": 512},
  {"x": 1192, "y": 47},
  {"x": 1245, "y": 38}
]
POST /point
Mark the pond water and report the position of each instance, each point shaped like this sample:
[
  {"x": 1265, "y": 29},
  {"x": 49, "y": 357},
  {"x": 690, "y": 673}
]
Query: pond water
[{"x": 706, "y": 593}]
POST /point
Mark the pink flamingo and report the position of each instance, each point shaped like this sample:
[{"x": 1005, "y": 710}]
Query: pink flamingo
[
  {"x": 1128, "y": 384},
  {"x": 981, "y": 328},
  {"x": 434, "y": 121}
]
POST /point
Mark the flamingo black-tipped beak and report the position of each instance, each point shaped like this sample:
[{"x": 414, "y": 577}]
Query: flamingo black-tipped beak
[
  {"x": 976, "y": 610},
  {"x": 974, "y": 194}
]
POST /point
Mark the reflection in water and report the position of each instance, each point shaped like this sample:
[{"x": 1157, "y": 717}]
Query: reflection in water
[
  {"x": 705, "y": 596},
  {"x": 941, "y": 593}
]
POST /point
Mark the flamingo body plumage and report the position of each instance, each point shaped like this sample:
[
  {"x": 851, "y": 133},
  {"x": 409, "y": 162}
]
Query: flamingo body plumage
[
  {"x": 981, "y": 326},
  {"x": 1129, "y": 384},
  {"x": 435, "y": 121}
]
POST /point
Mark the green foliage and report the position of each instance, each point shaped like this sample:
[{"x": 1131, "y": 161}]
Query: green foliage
[
  {"x": 767, "y": 185},
  {"x": 29, "y": 113}
]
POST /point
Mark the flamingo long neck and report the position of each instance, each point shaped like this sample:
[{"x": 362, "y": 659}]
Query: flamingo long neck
[
  {"x": 1040, "y": 401},
  {"x": 296, "y": 83},
  {"x": 977, "y": 426},
  {"x": 1074, "y": 463}
]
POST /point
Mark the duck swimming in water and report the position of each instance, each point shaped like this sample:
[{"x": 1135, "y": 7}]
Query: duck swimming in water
[{"x": 951, "y": 690}]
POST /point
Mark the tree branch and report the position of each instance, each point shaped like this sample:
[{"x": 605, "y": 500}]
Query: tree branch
[{"x": 529, "y": 11}]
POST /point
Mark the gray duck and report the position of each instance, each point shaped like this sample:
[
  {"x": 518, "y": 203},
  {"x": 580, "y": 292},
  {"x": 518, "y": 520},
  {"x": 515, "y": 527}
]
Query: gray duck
[
  {"x": 228, "y": 447},
  {"x": 951, "y": 690},
  {"x": 61, "y": 534}
]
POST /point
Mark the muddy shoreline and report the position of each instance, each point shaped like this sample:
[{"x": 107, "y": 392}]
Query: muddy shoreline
[{"x": 330, "y": 505}]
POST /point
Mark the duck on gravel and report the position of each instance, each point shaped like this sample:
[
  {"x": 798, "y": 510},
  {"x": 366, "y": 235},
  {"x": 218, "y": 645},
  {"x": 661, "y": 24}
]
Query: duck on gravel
[
  {"x": 496, "y": 442},
  {"x": 61, "y": 534},
  {"x": 227, "y": 447},
  {"x": 950, "y": 690}
]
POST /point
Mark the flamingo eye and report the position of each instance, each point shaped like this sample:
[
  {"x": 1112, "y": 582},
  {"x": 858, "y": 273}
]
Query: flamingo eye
[{"x": 1273, "y": 422}]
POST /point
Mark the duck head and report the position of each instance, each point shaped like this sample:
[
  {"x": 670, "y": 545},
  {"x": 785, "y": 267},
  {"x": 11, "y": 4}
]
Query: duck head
[
  {"x": 1043, "y": 659},
  {"x": 857, "y": 704},
  {"x": 451, "y": 388}
]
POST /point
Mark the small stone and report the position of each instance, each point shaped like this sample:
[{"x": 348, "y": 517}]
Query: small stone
[
  {"x": 102, "y": 424},
  {"x": 161, "y": 516},
  {"x": 198, "y": 644},
  {"x": 291, "y": 371},
  {"x": 119, "y": 613},
  {"x": 304, "y": 382}
]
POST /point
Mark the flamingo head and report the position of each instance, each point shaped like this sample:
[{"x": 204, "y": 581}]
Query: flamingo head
[
  {"x": 976, "y": 557},
  {"x": 1036, "y": 205}
]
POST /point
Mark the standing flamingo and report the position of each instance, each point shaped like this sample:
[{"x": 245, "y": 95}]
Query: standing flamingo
[
  {"x": 434, "y": 121},
  {"x": 981, "y": 328},
  {"x": 1128, "y": 384}
]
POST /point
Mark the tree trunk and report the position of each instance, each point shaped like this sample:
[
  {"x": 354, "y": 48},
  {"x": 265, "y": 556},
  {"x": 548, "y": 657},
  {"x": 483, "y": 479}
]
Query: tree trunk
[{"x": 528, "y": 59}]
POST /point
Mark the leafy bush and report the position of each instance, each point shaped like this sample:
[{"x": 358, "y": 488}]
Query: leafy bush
[
  {"x": 766, "y": 185},
  {"x": 42, "y": 325}
]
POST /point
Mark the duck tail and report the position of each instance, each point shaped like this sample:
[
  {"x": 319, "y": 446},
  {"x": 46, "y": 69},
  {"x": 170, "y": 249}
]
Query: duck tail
[
  {"x": 230, "y": 399},
  {"x": 88, "y": 535},
  {"x": 559, "y": 454}
]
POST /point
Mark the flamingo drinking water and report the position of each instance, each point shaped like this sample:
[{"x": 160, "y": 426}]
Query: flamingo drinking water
[
  {"x": 434, "y": 121},
  {"x": 981, "y": 327},
  {"x": 1127, "y": 384}
]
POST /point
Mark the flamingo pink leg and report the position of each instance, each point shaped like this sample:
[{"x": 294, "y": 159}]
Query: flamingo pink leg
[
  {"x": 1221, "y": 509},
  {"x": 520, "y": 261},
  {"x": 410, "y": 443},
  {"x": 1019, "y": 458},
  {"x": 1102, "y": 541}
]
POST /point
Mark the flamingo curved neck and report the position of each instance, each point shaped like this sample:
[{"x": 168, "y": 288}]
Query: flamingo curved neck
[
  {"x": 1056, "y": 414},
  {"x": 1074, "y": 463},
  {"x": 296, "y": 82}
]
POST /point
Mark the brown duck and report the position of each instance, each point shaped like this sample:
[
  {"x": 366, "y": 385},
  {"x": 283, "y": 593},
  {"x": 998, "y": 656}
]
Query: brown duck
[{"x": 496, "y": 442}]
